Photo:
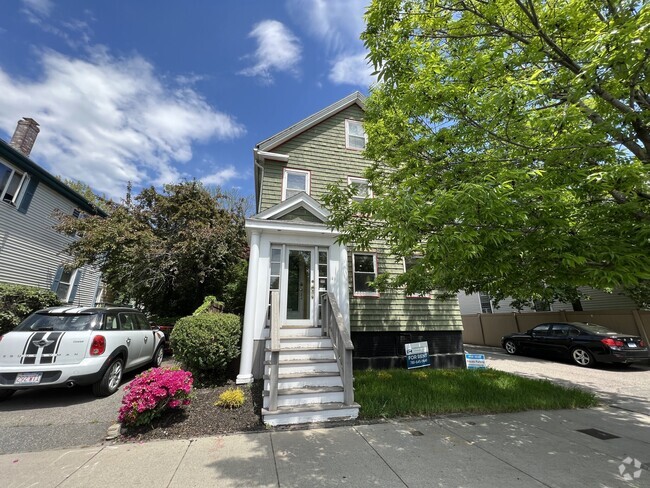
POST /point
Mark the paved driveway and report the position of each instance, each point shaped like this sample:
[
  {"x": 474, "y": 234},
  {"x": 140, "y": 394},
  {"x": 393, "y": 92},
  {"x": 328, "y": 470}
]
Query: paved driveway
[
  {"x": 58, "y": 418},
  {"x": 626, "y": 388}
]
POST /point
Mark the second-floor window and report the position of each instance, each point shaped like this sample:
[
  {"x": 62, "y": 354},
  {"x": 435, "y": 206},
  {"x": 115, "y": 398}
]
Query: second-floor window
[
  {"x": 355, "y": 135},
  {"x": 12, "y": 182},
  {"x": 295, "y": 181},
  {"x": 360, "y": 187},
  {"x": 485, "y": 301},
  {"x": 64, "y": 284}
]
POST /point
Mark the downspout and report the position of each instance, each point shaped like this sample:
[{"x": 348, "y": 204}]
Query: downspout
[{"x": 258, "y": 180}]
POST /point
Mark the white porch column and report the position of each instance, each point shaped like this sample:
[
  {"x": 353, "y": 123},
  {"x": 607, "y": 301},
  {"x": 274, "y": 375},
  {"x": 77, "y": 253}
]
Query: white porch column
[{"x": 246, "y": 362}]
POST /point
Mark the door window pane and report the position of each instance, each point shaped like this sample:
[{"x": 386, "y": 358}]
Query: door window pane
[{"x": 299, "y": 285}]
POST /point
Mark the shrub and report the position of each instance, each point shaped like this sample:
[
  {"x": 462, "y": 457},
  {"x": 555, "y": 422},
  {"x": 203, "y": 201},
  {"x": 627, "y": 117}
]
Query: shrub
[
  {"x": 209, "y": 305},
  {"x": 18, "y": 301},
  {"x": 207, "y": 343},
  {"x": 153, "y": 392},
  {"x": 231, "y": 398}
]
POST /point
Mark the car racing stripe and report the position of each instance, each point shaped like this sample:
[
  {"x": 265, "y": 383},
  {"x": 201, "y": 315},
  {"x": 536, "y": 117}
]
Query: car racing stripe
[
  {"x": 29, "y": 356},
  {"x": 48, "y": 352},
  {"x": 29, "y": 341},
  {"x": 56, "y": 350}
]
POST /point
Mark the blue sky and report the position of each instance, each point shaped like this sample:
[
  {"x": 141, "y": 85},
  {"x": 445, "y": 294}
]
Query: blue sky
[{"x": 156, "y": 91}]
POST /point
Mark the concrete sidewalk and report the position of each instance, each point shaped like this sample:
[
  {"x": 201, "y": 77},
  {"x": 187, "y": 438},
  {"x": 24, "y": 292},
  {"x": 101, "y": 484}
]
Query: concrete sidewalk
[{"x": 511, "y": 450}]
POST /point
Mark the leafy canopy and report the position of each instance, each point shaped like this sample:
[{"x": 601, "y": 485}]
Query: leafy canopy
[
  {"x": 511, "y": 141},
  {"x": 166, "y": 250}
]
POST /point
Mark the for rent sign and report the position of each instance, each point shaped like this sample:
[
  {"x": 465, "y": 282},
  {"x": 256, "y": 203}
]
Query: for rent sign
[{"x": 417, "y": 355}]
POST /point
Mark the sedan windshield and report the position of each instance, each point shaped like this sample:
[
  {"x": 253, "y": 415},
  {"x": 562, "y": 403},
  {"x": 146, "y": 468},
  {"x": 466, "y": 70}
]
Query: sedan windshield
[
  {"x": 58, "y": 322},
  {"x": 595, "y": 328}
]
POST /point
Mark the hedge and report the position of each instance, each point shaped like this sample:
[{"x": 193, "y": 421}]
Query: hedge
[{"x": 18, "y": 301}]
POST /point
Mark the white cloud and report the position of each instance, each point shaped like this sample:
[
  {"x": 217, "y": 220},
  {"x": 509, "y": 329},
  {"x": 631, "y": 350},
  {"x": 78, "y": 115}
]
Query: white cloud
[
  {"x": 37, "y": 8},
  {"x": 338, "y": 24},
  {"x": 352, "y": 70},
  {"x": 278, "y": 49},
  {"x": 107, "y": 120},
  {"x": 220, "y": 177}
]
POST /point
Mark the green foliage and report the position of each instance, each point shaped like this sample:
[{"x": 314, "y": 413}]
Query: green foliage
[
  {"x": 234, "y": 292},
  {"x": 399, "y": 393},
  {"x": 512, "y": 141},
  {"x": 231, "y": 398},
  {"x": 164, "y": 250},
  {"x": 209, "y": 305},
  {"x": 102, "y": 202},
  {"x": 207, "y": 343},
  {"x": 17, "y": 302}
]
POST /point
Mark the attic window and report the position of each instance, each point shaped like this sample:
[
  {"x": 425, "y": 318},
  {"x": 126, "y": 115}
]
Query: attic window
[
  {"x": 12, "y": 182},
  {"x": 295, "y": 181},
  {"x": 355, "y": 135}
]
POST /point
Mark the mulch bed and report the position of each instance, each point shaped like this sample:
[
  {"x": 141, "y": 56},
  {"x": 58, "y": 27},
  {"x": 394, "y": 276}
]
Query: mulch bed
[{"x": 203, "y": 418}]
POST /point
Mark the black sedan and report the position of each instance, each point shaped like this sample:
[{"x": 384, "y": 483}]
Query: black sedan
[{"x": 583, "y": 343}]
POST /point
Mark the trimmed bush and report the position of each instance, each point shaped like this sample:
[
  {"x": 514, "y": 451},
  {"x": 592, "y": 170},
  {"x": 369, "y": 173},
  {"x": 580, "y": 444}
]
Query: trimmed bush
[
  {"x": 205, "y": 344},
  {"x": 231, "y": 398},
  {"x": 153, "y": 392},
  {"x": 18, "y": 301}
]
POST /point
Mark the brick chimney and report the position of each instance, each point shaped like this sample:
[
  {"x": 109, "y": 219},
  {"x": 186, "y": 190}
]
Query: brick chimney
[{"x": 25, "y": 135}]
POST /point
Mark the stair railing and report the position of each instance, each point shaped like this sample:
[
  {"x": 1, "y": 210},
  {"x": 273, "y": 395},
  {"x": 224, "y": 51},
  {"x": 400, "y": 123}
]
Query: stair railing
[
  {"x": 275, "y": 351},
  {"x": 334, "y": 328}
]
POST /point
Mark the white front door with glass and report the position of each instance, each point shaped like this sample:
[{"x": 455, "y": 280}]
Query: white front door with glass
[{"x": 300, "y": 273}]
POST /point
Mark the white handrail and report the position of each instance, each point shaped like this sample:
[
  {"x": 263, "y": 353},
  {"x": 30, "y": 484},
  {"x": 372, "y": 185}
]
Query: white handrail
[{"x": 334, "y": 328}]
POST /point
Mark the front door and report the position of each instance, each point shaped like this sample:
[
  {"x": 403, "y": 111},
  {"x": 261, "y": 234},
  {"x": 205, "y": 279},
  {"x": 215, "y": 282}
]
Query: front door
[{"x": 299, "y": 282}]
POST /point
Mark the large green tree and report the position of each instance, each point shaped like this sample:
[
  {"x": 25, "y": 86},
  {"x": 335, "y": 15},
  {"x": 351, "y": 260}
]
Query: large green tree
[
  {"x": 512, "y": 139},
  {"x": 166, "y": 250}
]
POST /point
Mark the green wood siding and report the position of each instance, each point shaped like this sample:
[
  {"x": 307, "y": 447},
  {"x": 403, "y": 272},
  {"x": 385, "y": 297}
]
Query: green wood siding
[
  {"x": 301, "y": 215},
  {"x": 321, "y": 150}
]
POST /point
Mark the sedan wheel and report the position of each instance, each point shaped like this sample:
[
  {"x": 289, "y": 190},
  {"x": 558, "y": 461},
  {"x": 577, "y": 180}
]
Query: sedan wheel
[
  {"x": 582, "y": 357},
  {"x": 510, "y": 347}
]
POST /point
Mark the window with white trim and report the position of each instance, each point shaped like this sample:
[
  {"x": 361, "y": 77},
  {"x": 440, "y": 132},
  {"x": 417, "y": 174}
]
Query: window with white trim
[
  {"x": 295, "y": 181},
  {"x": 409, "y": 263},
  {"x": 364, "y": 266},
  {"x": 64, "y": 287},
  {"x": 361, "y": 188},
  {"x": 355, "y": 135},
  {"x": 485, "y": 301},
  {"x": 274, "y": 280},
  {"x": 12, "y": 184}
]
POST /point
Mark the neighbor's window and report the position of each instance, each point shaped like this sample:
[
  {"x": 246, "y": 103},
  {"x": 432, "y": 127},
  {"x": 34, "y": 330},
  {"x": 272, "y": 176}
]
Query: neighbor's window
[
  {"x": 355, "y": 136},
  {"x": 12, "y": 182},
  {"x": 361, "y": 188},
  {"x": 485, "y": 301},
  {"x": 365, "y": 272},
  {"x": 409, "y": 263},
  {"x": 64, "y": 287},
  {"x": 294, "y": 182}
]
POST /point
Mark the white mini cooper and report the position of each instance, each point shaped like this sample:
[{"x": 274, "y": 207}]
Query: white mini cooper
[{"x": 66, "y": 346}]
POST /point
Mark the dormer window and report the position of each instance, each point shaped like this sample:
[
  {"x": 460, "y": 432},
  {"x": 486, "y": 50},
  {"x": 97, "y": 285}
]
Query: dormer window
[
  {"x": 295, "y": 181},
  {"x": 12, "y": 182},
  {"x": 355, "y": 136},
  {"x": 360, "y": 187}
]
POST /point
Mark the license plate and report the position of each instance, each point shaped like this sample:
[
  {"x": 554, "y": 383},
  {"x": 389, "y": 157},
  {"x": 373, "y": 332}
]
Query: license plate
[
  {"x": 631, "y": 344},
  {"x": 28, "y": 378}
]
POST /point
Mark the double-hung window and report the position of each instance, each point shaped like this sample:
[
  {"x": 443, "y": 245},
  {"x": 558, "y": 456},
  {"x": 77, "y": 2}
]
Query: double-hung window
[
  {"x": 365, "y": 272},
  {"x": 64, "y": 286},
  {"x": 295, "y": 181},
  {"x": 485, "y": 302},
  {"x": 360, "y": 187},
  {"x": 355, "y": 135},
  {"x": 12, "y": 184}
]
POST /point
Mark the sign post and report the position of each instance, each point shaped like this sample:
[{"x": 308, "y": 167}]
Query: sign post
[{"x": 417, "y": 355}]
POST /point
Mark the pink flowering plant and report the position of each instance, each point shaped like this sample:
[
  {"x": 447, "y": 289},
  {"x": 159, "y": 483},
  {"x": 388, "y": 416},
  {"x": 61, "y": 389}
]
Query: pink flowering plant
[{"x": 153, "y": 392}]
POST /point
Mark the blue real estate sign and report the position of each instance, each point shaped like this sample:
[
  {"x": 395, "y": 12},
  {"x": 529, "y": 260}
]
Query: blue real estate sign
[
  {"x": 475, "y": 361},
  {"x": 417, "y": 355}
]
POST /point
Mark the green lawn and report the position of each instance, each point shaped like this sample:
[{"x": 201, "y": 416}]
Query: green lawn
[{"x": 398, "y": 393}]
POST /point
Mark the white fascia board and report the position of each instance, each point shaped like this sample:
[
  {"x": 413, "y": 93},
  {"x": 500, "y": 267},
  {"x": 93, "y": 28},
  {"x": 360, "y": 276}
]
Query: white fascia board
[
  {"x": 271, "y": 155},
  {"x": 287, "y": 227}
]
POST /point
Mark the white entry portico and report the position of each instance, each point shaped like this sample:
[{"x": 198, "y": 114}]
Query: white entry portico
[{"x": 294, "y": 252}]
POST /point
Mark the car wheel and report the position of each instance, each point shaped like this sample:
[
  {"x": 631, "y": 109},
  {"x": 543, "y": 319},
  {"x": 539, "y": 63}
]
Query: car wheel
[
  {"x": 582, "y": 357},
  {"x": 510, "y": 347},
  {"x": 110, "y": 382},
  {"x": 4, "y": 394},
  {"x": 158, "y": 357}
]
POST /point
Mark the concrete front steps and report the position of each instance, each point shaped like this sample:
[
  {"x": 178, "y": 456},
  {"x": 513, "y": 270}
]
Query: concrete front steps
[{"x": 310, "y": 388}]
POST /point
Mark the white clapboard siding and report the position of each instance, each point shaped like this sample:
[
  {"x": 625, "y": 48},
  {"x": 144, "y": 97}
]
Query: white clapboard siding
[{"x": 31, "y": 250}]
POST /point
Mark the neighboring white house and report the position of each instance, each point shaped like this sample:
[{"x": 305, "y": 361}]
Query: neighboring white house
[
  {"x": 31, "y": 250},
  {"x": 593, "y": 300}
]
